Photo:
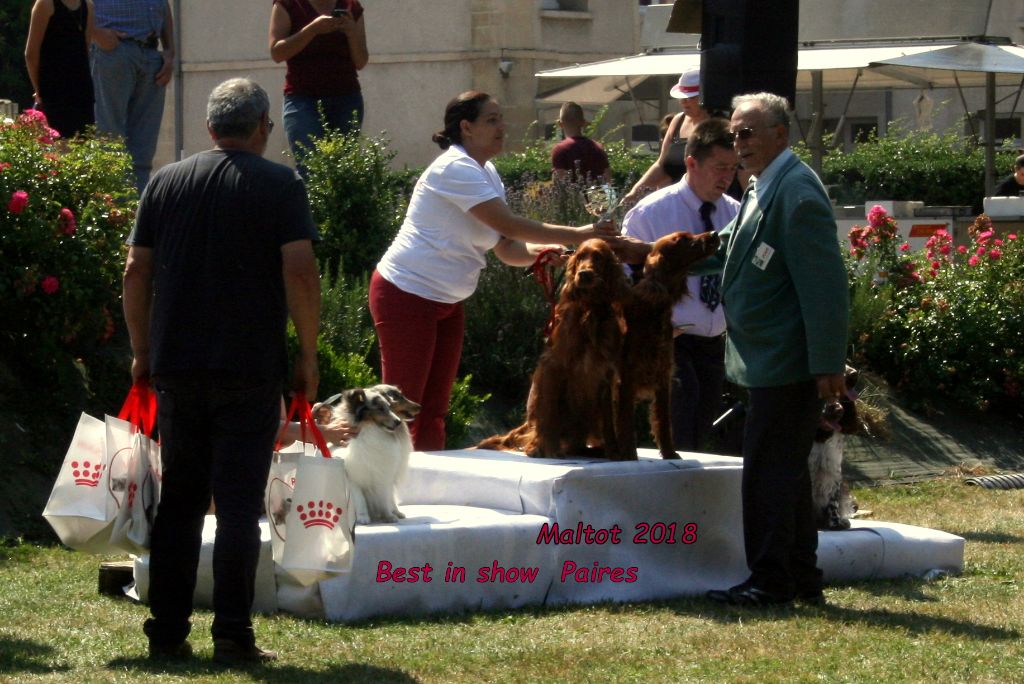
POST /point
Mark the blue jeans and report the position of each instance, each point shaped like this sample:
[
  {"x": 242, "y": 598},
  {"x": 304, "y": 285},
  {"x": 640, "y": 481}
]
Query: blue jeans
[
  {"x": 302, "y": 122},
  {"x": 129, "y": 103},
  {"x": 217, "y": 438}
]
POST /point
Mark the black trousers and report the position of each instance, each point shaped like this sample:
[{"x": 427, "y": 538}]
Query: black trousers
[
  {"x": 217, "y": 438},
  {"x": 780, "y": 536},
  {"x": 696, "y": 389}
]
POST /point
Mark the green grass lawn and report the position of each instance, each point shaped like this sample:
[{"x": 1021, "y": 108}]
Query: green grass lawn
[{"x": 55, "y": 627}]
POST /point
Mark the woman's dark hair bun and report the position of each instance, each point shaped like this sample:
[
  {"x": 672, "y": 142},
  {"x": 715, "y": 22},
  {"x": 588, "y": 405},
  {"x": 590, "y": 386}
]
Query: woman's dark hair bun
[
  {"x": 442, "y": 140},
  {"x": 465, "y": 107}
]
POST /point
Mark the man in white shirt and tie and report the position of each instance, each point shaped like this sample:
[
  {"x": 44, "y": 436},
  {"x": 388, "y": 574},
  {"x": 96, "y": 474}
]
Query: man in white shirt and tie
[{"x": 696, "y": 203}]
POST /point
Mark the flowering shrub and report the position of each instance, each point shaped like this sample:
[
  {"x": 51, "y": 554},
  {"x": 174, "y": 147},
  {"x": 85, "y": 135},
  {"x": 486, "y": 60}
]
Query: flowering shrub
[
  {"x": 875, "y": 246},
  {"x": 66, "y": 208},
  {"x": 951, "y": 325}
]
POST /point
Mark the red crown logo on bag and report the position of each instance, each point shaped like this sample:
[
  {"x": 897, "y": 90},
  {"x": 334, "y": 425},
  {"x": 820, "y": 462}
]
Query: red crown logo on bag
[
  {"x": 87, "y": 474},
  {"x": 319, "y": 513},
  {"x": 132, "y": 488}
]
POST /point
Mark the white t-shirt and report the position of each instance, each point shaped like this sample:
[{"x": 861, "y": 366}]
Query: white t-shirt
[{"x": 440, "y": 250}]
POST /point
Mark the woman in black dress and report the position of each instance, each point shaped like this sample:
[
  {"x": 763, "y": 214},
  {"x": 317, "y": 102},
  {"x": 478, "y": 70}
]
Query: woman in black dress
[{"x": 57, "y": 59}]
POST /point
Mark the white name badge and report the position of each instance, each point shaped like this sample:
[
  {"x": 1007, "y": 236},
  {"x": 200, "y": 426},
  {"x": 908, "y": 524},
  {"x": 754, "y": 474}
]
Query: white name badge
[{"x": 763, "y": 255}]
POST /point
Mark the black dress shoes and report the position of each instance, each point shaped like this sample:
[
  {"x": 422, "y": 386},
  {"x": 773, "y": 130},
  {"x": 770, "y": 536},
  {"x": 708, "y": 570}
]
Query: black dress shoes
[{"x": 747, "y": 595}]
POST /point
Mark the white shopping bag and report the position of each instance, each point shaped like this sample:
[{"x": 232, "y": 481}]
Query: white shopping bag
[
  {"x": 136, "y": 459},
  {"x": 318, "y": 526},
  {"x": 81, "y": 508},
  {"x": 139, "y": 495},
  {"x": 278, "y": 496}
]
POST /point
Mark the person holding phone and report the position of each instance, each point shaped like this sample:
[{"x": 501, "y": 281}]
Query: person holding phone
[{"x": 323, "y": 43}]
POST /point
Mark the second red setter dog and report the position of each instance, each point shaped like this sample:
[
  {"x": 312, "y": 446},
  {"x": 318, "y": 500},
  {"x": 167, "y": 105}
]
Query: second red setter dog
[
  {"x": 571, "y": 405},
  {"x": 647, "y": 357}
]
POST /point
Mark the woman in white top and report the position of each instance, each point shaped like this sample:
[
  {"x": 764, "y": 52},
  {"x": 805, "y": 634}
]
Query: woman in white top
[{"x": 457, "y": 213}]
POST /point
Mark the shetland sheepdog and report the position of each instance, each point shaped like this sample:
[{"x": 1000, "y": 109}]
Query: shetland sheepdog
[{"x": 377, "y": 458}]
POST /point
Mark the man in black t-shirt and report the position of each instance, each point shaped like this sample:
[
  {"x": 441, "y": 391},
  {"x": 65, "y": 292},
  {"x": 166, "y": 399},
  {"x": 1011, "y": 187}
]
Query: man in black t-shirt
[
  {"x": 220, "y": 255},
  {"x": 1013, "y": 185}
]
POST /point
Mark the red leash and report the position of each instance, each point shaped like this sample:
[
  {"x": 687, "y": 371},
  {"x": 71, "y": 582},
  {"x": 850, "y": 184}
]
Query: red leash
[{"x": 543, "y": 272}]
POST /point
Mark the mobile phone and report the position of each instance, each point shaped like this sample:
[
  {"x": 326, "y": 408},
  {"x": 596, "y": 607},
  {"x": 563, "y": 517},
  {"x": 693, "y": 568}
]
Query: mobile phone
[{"x": 339, "y": 13}]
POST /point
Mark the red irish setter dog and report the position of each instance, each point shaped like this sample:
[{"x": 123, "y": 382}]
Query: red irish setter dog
[
  {"x": 571, "y": 405},
  {"x": 645, "y": 368}
]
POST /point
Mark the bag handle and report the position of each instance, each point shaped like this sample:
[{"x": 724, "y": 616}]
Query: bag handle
[
  {"x": 139, "y": 407},
  {"x": 299, "y": 408}
]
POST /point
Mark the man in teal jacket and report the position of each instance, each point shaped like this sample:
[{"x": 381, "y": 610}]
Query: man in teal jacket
[{"x": 785, "y": 288}]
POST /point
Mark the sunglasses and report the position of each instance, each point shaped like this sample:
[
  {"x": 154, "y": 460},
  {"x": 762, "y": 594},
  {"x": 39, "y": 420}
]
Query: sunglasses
[
  {"x": 748, "y": 132},
  {"x": 745, "y": 133}
]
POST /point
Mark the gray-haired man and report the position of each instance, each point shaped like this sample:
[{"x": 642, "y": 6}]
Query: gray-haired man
[{"x": 220, "y": 255}]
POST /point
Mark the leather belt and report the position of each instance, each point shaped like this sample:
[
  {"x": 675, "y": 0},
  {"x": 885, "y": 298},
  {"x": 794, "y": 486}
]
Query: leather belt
[{"x": 151, "y": 41}]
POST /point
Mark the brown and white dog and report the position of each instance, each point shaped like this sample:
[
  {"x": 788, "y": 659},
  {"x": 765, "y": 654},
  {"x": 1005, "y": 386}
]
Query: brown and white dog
[
  {"x": 377, "y": 458},
  {"x": 645, "y": 367},
  {"x": 833, "y": 504}
]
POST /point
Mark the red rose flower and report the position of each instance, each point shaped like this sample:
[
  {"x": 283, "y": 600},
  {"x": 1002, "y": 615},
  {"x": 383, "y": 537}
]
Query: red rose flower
[
  {"x": 19, "y": 200},
  {"x": 50, "y": 284},
  {"x": 67, "y": 221}
]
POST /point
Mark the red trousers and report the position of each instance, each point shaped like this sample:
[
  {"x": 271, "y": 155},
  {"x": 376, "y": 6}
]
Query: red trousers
[{"x": 420, "y": 348}]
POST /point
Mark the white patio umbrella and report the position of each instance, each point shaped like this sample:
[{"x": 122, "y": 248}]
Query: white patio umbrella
[{"x": 969, "y": 63}]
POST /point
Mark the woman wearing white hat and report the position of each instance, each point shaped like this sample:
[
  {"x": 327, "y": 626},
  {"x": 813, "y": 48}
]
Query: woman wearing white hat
[{"x": 671, "y": 163}]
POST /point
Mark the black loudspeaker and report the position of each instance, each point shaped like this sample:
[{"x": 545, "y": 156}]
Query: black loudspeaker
[{"x": 747, "y": 46}]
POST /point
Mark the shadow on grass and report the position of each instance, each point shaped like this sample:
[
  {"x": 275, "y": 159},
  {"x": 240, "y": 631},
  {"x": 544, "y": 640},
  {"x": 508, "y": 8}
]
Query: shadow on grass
[
  {"x": 19, "y": 655},
  {"x": 915, "y": 623},
  {"x": 989, "y": 537},
  {"x": 276, "y": 673},
  {"x": 911, "y": 622}
]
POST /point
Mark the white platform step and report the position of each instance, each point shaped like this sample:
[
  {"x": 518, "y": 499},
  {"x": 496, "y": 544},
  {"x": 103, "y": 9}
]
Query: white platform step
[{"x": 678, "y": 523}]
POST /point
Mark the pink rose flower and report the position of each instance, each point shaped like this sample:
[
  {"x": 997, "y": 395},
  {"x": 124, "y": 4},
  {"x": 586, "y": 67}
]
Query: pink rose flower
[
  {"x": 994, "y": 254},
  {"x": 905, "y": 247},
  {"x": 962, "y": 249},
  {"x": 973, "y": 261},
  {"x": 4, "y": 166},
  {"x": 50, "y": 284},
  {"x": 1011, "y": 236},
  {"x": 67, "y": 221},
  {"x": 877, "y": 216},
  {"x": 30, "y": 116},
  {"x": 19, "y": 200},
  {"x": 944, "y": 249},
  {"x": 49, "y": 136},
  {"x": 980, "y": 251}
]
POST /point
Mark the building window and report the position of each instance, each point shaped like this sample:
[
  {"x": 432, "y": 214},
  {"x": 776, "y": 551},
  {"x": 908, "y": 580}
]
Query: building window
[
  {"x": 1007, "y": 127},
  {"x": 565, "y": 5}
]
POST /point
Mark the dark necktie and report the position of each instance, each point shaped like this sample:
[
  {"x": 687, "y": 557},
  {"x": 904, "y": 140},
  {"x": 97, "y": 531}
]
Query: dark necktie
[{"x": 710, "y": 290}]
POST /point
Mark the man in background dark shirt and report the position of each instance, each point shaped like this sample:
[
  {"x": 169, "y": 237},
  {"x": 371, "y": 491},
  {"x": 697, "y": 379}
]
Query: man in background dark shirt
[
  {"x": 1013, "y": 185},
  {"x": 577, "y": 157}
]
